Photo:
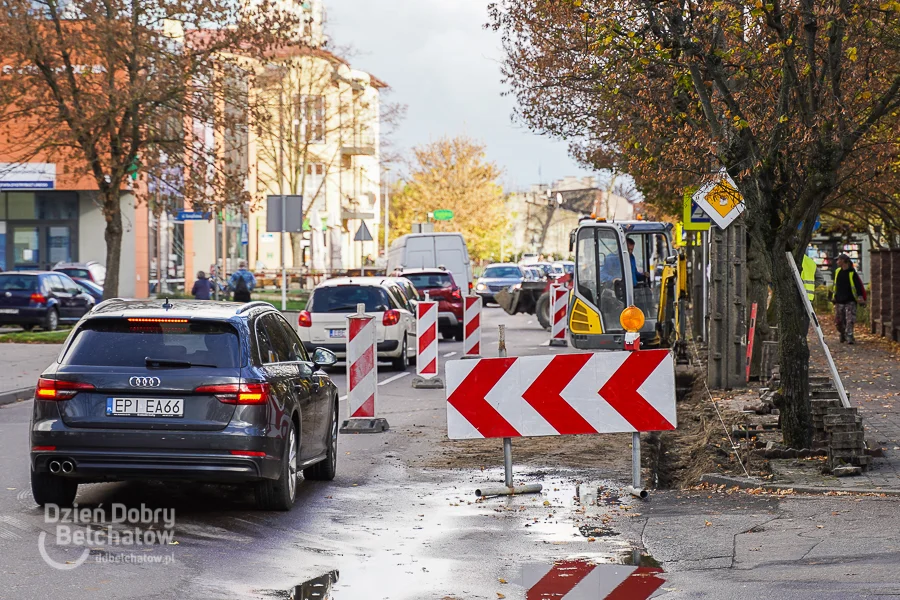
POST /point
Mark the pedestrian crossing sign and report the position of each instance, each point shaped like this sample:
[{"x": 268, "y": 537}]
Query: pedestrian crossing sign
[
  {"x": 720, "y": 199},
  {"x": 694, "y": 217}
]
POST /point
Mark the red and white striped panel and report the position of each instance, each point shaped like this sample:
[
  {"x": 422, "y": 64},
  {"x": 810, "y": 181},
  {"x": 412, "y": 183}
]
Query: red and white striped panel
[
  {"x": 472, "y": 326},
  {"x": 581, "y": 580},
  {"x": 427, "y": 343},
  {"x": 362, "y": 366},
  {"x": 559, "y": 299},
  {"x": 563, "y": 394}
]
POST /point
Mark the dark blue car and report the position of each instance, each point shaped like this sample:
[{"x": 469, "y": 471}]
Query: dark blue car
[
  {"x": 43, "y": 298},
  {"x": 90, "y": 288}
]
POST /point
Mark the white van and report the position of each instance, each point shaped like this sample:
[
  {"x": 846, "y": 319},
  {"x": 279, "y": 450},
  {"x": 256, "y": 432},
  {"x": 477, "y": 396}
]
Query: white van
[{"x": 432, "y": 250}]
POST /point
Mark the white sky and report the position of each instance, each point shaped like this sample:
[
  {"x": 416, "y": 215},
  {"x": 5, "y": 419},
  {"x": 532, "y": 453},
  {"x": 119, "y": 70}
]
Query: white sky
[{"x": 441, "y": 62}]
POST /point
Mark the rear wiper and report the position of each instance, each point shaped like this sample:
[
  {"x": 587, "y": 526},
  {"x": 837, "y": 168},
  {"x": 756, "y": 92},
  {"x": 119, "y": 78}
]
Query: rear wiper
[{"x": 160, "y": 363}]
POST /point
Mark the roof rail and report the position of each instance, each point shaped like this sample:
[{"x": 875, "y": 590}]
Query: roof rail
[
  {"x": 107, "y": 301},
  {"x": 254, "y": 304}
]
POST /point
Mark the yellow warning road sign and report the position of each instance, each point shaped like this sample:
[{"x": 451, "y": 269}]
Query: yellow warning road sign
[{"x": 720, "y": 199}]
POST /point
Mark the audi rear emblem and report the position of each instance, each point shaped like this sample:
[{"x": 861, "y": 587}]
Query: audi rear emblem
[{"x": 144, "y": 382}]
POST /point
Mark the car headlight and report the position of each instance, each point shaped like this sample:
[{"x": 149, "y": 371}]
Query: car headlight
[
  {"x": 518, "y": 286},
  {"x": 480, "y": 286}
]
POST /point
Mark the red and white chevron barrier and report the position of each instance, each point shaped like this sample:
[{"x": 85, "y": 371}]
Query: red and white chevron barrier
[
  {"x": 565, "y": 394},
  {"x": 362, "y": 374},
  {"x": 581, "y": 580},
  {"x": 426, "y": 336},
  {"x": 362, "y": 366},
  {"x": 559, "y": 300},
  {"x": 472, "y": 327}
]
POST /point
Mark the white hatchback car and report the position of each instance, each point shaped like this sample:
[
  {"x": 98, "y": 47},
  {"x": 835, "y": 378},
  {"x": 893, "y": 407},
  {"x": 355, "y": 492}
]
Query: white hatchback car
[{"x": 324, "y": 322}]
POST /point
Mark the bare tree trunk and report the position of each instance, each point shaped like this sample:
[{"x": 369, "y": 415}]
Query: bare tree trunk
[
  {"x": 113, "y": 211},
  {"x": 297, "y": 249},
  {"x": 793, "y": 325}
]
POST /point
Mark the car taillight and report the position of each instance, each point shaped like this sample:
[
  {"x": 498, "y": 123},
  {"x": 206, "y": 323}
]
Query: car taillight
[
  {"x": 255, "y": 453},
  {"x": 234, "y": 393},
  {"x": 456, "y": 295},
  {"x": 305, "y": 319},
  {"x": 51, "y": 389},
  {"x": 391, "y": 317},
  {"x": 38, "y": 298},
  {"x": 470, "y": 286}
]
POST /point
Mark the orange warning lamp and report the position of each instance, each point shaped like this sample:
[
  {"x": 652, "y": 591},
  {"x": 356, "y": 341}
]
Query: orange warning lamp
[{"x": 632, "y": 319}]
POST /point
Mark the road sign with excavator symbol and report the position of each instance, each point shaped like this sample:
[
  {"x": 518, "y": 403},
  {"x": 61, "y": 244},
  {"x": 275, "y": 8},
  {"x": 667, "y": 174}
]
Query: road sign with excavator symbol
[{"x": 720, "y": 199}]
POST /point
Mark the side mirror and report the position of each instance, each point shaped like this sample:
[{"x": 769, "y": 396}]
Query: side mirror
[
  {"x": 324, "y": 358},
  {"x": 572, "y": 240}
]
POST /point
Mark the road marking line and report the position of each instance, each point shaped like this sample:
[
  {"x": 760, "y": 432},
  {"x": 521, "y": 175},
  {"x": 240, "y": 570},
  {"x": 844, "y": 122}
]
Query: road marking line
[
  {"x": 449, "y": 354},
  {"x": 394, "y": 378}
]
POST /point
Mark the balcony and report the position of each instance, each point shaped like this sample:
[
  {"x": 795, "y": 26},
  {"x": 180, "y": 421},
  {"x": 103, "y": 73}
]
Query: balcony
[{"x": 359, "y": 145}]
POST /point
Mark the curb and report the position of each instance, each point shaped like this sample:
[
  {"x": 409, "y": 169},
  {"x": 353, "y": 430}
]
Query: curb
[
  {"x": 747, "y": 484},
  {"x": 13, "y": 396}
]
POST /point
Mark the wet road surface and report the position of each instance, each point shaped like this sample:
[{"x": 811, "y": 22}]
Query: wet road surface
[{"x": 383, "y": 529}]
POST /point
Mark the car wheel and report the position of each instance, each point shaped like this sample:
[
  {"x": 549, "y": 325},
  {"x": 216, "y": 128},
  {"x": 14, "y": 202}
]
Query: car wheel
[
  {"x": 279, "y": 494},
  {"x": 51, "y": 321},
  {"x": 48, "y": 488},
  {"x": 447, "y": 335},
  {"x": 401, "y": 362},
  {"x": 326, "y": 470},
  {"x": 27, "y": 327},
  {"x": 459, "y": 334}
]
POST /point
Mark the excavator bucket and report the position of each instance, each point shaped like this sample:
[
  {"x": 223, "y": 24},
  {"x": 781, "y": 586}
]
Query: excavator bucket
[{"x": 507, "y": 300}]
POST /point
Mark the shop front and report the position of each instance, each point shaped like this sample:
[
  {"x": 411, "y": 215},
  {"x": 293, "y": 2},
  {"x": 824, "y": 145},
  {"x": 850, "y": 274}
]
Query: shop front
[{"x": 38, "y": 229}]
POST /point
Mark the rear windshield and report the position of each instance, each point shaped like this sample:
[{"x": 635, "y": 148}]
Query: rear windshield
[
  {"x": 430, "y": 281},
  {"x": 502, "y": 272},
  {"x": 18, "y": 283},
  {"x": 121, "y": 343},
  {"x": 80, "y": 273},
  {"x": 344, "y": 298}
]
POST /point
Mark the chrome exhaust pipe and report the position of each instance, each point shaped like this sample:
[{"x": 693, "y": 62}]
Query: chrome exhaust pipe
[
  {"x": 68, "y": 466},
  {"x": 54, "y": 466}
]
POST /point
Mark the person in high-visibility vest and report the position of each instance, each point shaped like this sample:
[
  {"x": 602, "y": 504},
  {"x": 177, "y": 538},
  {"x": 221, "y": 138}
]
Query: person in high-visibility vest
[
  {"x": 848, "y": 291},
  {"x": 808, "y": 274}
]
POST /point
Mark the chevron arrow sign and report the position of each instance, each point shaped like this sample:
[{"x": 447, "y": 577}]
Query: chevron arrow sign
[{"x": 563, "y": 394}]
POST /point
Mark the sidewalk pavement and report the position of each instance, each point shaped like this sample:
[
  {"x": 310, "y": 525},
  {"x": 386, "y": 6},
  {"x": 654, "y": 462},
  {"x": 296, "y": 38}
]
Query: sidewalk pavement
[
  {"x": 22, "y": 363},
  {"x": 867, "y": 370}
]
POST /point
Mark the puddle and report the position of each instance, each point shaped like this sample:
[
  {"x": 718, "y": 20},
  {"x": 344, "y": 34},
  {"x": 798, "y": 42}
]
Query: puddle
[
  {"x": 319, "y": 588},
  {"x": 581, "y": 578}
]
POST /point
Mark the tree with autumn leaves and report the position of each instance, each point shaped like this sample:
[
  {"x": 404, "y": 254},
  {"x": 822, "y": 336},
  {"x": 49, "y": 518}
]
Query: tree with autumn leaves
[
  {"x": 454, "y": 174},
  {"x": 797, "y": 99},
  {"x": 157, "y": 90}
]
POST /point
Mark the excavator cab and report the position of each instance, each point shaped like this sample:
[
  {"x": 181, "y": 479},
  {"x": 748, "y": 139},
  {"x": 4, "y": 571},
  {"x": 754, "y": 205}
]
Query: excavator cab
[{"x": 620, "y": 264}]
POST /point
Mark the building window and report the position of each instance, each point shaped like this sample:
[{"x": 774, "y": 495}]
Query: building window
[
  {"x": 315, "y": 178},
  {"x": 312, "y": 117}
]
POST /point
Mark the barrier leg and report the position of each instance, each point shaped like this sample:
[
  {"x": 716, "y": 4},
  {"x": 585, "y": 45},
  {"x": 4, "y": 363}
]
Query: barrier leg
[
  {"x": 509, "y": 489},
  {"x": 635, "y": 488}
]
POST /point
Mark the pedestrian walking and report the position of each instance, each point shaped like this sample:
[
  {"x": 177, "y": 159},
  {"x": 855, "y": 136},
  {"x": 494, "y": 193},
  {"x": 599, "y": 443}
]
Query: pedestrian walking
[
  {"x": 202, "y": 287},
  {"x": 848, "y": 292},
  {"x": 242, "y": 282}
]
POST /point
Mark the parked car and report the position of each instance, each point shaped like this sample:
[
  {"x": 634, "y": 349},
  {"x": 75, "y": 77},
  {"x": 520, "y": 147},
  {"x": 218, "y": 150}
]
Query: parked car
[
  {"x": 544, "y": 268},
  {"x": 496, "y": 277},
  {"x": 90, "y": 270},
  {"x": 432, "y": 251},
  {"x": 563, "y": 267},
  {"x": 90, "y": 288},
  {"x": 324, "y": 322},
  {"x": 408, "y": 288},
  {"x": 211, "y": 391},
  {"x": 42, "y": 298},
  {"x": 440, "y": 285}
]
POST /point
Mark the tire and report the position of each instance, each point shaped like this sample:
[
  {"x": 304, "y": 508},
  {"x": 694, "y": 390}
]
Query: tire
[
  {"x": 447, "y": 335},
  {"x": 28, "y": 327},
  {"x": 459, "y": 334},
  {"x": 279, "y": 494},
  {"x": 51, "y": 321},
  {"x": 327, "y": 469},
  {"x": 542, "y": 310},
  {"x": 48, "y": 488},
  {"x": 401, "y": 362}
]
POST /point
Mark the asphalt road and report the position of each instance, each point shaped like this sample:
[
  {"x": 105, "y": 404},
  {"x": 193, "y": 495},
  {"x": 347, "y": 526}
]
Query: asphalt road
[{"x": 384, "y": 529}]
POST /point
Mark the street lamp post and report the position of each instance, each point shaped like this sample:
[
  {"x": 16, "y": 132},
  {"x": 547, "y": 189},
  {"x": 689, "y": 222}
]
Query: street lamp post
[{"x": 281, "y": 190}]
